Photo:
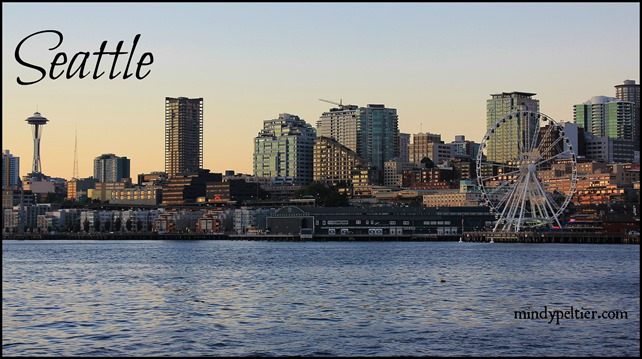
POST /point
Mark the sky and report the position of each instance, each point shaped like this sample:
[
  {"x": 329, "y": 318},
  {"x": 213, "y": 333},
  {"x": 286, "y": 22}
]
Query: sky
[{"x": 436, "y": 63}]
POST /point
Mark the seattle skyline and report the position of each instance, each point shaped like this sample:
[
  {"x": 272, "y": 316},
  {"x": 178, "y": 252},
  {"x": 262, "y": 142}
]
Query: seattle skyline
[{"x": 436, "y": 63}]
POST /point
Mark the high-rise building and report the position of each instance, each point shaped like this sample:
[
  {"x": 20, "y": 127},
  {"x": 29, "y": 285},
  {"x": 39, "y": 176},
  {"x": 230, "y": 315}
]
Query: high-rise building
[
  {"x": 503, "y": 145},
  {"x": 372, "y": 131},
  {"x": 606, "y": 116},
  {"x": 111, "y": 168},
  {"x": 630, "y": 91},
  {"x": 341, "y": 124},
  {"x": 284, "y": 149},
  {"x": 183, "y": 135},
  {"x": 379, "y": 135},
  {"x": 10, "y": 170}
]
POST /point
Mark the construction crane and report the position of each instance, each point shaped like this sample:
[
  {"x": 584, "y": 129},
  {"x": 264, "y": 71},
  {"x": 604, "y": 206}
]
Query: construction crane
[{"x": 334, "y": 103}]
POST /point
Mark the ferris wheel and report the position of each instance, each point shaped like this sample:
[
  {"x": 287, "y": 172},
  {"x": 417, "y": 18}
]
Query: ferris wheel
[{"x": 516, "y": 153}]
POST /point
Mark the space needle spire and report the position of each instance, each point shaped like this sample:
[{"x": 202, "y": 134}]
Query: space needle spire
[{"x": 36, "y": 121}]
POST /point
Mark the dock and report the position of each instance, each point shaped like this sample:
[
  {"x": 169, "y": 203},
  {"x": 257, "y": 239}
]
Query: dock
[
  {"x": 487, "y": 237},
  {"x": 552, "y": 237}
]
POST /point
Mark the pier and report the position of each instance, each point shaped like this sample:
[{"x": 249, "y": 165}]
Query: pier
[
  {"x": 486, "y": 237},
  {"x": 552, "y": 237}
]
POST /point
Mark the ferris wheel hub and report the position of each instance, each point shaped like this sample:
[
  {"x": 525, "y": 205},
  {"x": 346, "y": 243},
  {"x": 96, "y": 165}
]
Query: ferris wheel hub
[{"x": 532, "y": 168}]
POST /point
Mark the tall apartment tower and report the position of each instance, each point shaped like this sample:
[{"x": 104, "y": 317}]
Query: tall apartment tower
[
  {"x": 111, "y": 168},
  {"x": 502, "y": 146},
  {"x": 342, "y": 125},
  {"x": 629, "y": 91},
  {"x": 10, "y": 170},
  {"x": 284, "y": 148},
  {"x": 604, "y": 116},
  {"x": 183, "y": 135},
  {"x": 372, "y": 131}
]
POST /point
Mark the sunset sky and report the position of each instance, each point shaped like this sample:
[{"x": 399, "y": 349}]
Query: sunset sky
[{"x": 436, "y": 63}]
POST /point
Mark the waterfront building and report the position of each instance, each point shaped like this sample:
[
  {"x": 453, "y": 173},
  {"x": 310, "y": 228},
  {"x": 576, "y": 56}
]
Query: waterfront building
[
  {"x": 111, "y": 168},
  {"x": 118, "y": 220},
  {"x": 384, "y": 220},
  {"x": 334, "y": 162},
  {"x": 214, "y": 221},
  {"x": 251, "y": 219},
  {"x": 629, "y": 91},
  {"x": 183, "y": 135},
  {"x": 10, "y": 170},
  {"x": 285, "y": 148},
  {"x": 24, "y": 219},
  {"x": 139, "y": 220},
  {"x": 59, "y": 220},
  {"x": 502, "y": 147},
  {"x": 177, "y": 221}
]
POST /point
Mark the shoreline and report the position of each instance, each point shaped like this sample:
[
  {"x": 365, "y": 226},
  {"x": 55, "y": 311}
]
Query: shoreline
[{"x": 479, "y": 237}]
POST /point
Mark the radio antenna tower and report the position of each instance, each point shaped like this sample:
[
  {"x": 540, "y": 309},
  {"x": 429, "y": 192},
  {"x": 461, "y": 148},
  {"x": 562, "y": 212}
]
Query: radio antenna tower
[{"x": 75, "y": 175}]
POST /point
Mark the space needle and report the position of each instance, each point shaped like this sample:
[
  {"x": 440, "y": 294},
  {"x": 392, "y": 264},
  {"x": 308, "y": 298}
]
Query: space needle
[{"x": 37, "y": 121}]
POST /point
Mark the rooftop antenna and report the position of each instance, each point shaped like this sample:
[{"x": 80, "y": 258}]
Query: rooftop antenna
[{"x": 75, "y": 175}]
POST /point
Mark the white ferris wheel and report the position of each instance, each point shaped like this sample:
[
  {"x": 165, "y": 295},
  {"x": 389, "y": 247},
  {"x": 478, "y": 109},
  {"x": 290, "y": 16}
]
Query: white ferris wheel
[{"x": 514, "y": 154}]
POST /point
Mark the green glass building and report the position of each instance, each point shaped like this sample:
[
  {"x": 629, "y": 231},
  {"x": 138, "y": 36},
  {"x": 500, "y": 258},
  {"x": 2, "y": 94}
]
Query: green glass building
[
  {"x": 604, "y": 116},
  {"x": 503, "y": 146},
  {"x": 284, "y": 149}
]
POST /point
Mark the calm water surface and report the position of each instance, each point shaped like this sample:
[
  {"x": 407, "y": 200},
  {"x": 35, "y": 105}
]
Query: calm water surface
[{"x": 246, "y": 298}]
